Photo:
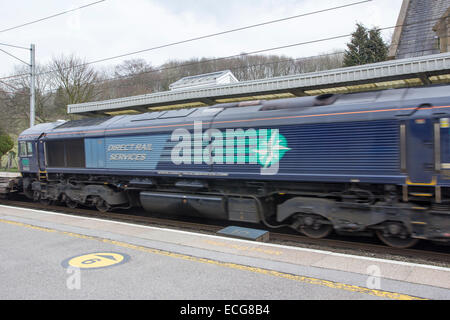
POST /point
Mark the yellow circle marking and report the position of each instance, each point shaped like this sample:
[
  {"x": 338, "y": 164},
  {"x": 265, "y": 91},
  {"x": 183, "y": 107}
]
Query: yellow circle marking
[{"x": 96, "y": 260}]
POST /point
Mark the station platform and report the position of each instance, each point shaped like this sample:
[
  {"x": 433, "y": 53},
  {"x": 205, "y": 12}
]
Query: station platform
[
  {"x": 47, "y": 255},
  {"x": 9, "y": 174},
  {"x": 5, "y": 178}
]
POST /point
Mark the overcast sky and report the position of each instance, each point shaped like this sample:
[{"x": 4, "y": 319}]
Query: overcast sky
[{"x": 116, "y": 27}]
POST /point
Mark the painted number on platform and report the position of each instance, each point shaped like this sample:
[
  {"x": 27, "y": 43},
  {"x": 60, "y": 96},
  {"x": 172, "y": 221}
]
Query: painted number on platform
[{"x": 96, "y": 260}]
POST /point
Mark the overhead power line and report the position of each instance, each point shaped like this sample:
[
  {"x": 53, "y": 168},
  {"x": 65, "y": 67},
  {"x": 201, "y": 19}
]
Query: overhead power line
[
  {"x": 190, "y": 64},
  {"x": 215, "y": 60},
  {"x": 225, "y": 32},
  {"x": 13, "y": 46},
  {"x": 13, "y": 56},
  {"x": 293, "y": 60},
  {"x": 10, "y": 86},
  {"x": 227, "y": 57},
  {"x": 228, "y": 31},
  {"x": 246, "y": 53},
  {"x": 187, "y": 40},
  {"x": 49, "y": 17},
  {"x": 262, "y": 50},
  {"x": 22, "y": 75},
  {"x": 199, "y": 63}
]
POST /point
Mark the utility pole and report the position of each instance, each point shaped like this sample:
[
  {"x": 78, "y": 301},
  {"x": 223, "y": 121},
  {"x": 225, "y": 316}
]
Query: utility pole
[{"x": 32, "y": 85}]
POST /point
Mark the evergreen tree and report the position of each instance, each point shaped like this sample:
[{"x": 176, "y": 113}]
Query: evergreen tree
[
  {"x": 366, "y": 46},
  {"x": 357, "y": 52},
  {"x": 378, "y": 48},
  {"x": 6, "y": 144}
]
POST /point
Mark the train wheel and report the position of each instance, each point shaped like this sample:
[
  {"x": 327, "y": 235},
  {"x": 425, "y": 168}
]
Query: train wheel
[
  {"x": 71, "y": 204},
  {"x": 396, "y": 235},
  {"x": 45, "y": 202},
  {"x": 315, "y": 226},
  {"x": 102, "y": 205}
]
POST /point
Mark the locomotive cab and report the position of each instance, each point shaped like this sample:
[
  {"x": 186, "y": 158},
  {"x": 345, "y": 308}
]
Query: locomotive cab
[
  {"x": 32, "y": 157},
  {"x": 27, "y": 157}
]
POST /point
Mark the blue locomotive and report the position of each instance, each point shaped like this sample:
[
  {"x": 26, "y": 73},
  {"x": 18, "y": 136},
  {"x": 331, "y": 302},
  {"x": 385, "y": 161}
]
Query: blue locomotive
[{"x": 371, "y": 161}]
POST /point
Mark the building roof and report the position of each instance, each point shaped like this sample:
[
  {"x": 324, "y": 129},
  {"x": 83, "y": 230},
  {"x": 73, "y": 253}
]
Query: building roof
[
  {"x": 201, "y": 80},
  {"x": 414, "y": 35}
]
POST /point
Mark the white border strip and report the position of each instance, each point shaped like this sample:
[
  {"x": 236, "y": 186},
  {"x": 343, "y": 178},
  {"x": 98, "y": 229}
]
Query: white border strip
[{"x": 409, "y": 264}]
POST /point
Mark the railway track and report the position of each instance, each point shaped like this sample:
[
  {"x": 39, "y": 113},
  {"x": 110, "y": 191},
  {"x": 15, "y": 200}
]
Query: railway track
[
  {"x": 425, "y": 252},
  {"x": 4, "y": 181}
]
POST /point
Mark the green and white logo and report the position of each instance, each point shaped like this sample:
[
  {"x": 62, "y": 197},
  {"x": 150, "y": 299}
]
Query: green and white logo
[
  {"x": 272, "y": 150},
  {"x": 231, "y": 146}
]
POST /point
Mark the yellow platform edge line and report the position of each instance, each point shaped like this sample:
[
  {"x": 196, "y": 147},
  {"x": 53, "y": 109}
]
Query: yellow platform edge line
[{"x": 303, "y": 279}]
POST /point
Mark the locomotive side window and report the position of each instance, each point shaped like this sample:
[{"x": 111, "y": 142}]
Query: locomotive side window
[
  {"x": 55, "y": 154},
  {"x": 75, "y": 153},
  {"x": 22, "y": 149},
  {"x": 25, "y": 149},
  {"x": 66, "y": 154},
  {"x": 29, "y": 149}
]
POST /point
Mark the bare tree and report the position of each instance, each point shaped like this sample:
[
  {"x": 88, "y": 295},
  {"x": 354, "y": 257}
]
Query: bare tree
[
  {"x": 131, "y": 77},
  {"x": 43, "y": 95},
  {"x": 74, "y": 80},
  {"x": 132, "y": 67}
]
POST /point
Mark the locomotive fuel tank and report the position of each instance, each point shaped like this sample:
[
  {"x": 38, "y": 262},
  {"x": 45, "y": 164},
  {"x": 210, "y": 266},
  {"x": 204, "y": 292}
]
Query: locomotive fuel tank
[{"x": 206, "y": 206}]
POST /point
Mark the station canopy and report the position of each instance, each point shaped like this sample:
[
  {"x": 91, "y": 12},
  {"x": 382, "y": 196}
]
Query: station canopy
[{"x": 410, "y": 72}]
